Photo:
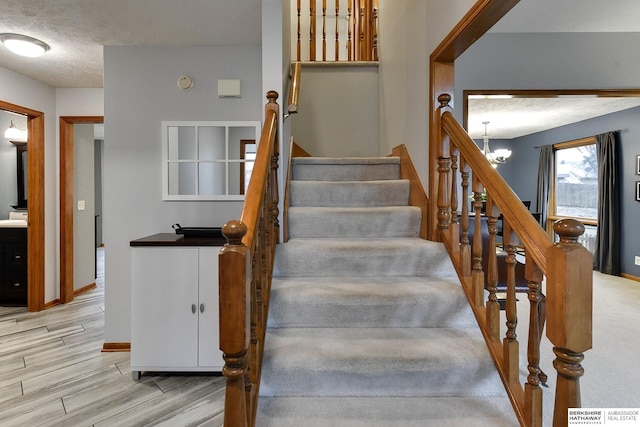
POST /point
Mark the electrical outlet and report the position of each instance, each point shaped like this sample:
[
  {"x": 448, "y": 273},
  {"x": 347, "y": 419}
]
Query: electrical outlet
[{"x": 637, "y": 260}]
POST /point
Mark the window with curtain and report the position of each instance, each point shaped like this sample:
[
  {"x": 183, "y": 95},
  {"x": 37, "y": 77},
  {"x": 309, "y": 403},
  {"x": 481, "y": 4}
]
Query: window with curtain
[{"x": 574, "y": 190}]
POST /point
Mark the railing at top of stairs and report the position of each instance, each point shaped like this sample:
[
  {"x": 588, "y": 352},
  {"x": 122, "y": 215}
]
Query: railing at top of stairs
[
  {"x": 567, "y": 266},
  {"x": 345, "y": 31},
  {"x": 245, "y": 270}
]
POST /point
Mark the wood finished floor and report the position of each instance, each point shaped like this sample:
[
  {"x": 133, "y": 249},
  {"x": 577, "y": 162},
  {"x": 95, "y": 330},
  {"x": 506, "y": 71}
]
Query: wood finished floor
[{"x": 53, "y": 373}]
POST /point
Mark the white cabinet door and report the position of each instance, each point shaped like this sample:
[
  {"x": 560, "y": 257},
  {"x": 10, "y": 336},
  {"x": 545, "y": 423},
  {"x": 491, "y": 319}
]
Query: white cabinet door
[
  {"x": 209, "y": 354},
  {"x": 164, "y": 304}
]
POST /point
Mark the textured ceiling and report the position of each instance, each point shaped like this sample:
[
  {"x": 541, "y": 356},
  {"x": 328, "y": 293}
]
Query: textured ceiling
[
  {"x": 77, "y": 30},
  {"x": 514, "y": 117}
]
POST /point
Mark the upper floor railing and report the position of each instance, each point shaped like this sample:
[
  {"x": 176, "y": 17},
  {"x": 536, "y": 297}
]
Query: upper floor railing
[
  {"x": 558, "y": 275},
  {"x": 336, "y": 30}
]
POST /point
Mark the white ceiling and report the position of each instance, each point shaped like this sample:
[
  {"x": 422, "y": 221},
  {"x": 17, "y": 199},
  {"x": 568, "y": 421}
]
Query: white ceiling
[{"x": 77, "y": 30}]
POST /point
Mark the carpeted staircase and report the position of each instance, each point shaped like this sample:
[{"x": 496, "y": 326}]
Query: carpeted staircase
[{"x": 368, "y": 325}]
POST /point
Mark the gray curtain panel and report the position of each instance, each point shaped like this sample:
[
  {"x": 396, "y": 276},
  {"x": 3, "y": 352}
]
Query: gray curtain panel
[
  {"x": 606, "y": 258},
  {"x": 545, "y": 175}
]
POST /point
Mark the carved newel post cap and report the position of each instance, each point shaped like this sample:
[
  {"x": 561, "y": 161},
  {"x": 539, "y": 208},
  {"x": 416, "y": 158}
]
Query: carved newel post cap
[
  {"x": 234, "y": 231},
  {"x": 444, "y": 99},
  {"x": 272, "y": 96},
  {"x": 569, "y": 230}
]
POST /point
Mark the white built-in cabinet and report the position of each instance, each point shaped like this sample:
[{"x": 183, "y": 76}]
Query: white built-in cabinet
[{"x": 174, "y": 309}]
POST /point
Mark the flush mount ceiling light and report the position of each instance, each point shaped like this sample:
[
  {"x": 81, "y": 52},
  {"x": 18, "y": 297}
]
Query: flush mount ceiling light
[{"x": 24, "y": 45}]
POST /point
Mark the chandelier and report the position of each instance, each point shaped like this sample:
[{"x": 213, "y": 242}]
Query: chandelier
[{"x": 498, "y": 157}]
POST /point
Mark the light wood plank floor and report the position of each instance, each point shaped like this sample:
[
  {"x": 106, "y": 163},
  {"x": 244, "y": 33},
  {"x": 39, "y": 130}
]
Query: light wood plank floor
[{"x": 53, "y": 373}]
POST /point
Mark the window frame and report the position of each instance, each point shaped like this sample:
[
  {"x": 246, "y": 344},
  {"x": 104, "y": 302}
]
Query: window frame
[{"x": 552, "y": 215}]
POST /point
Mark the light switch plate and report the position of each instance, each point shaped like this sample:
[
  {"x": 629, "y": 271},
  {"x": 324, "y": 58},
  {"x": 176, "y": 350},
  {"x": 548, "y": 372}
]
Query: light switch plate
[{"x": 81, "y": 205}]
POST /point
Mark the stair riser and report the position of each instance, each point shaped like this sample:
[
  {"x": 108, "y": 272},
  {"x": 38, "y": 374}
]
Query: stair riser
[
  {"x": 354, "y": 222},
  {"x": 350, "y": 193},
  {"x": 368, "y": 258},
  {"x": 310, "y": 172},
  {"x": 396, "y": 302}
]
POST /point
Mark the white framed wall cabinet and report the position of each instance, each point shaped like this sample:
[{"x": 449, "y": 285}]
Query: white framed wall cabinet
[
  {"x": 175, "y": 314},
  {"x": 205, "y": 160}
]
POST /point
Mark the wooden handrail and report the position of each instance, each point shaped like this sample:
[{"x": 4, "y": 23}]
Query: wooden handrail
[
  {"x": 245, "y": 271},
  {"x": 294, "y": 87},
  {"x": 566, "y": 264},
  {"x": 532, "y": 235}
]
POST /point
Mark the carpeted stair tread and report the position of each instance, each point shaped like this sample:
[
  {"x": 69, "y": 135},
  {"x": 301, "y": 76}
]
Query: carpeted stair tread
[
  {"x": 323, "y": 302},
  {"x": 476, "y": 411},
  {"x": 329, "y": 222},
  {"x": 345, "y": 169},
  {"x": 378, "y": 362},
  {"x": 350, "y": 193},
  {"x": 362, "y": 257}
]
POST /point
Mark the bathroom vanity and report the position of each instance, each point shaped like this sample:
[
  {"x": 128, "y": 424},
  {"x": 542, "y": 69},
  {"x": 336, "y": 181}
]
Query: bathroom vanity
[{"x": 13, "y": 261}]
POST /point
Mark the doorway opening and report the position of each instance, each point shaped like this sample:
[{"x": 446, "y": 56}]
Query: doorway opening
[
  {"x": 35, "y": 207},
  {"x": 68, "y": 206}
]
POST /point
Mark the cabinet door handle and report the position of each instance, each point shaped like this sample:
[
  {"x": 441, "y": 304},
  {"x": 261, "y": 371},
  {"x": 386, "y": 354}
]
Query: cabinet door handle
[
  {"x": 18, "y": 257},
  {"x": 201, "y": 308},
  {"x": 193, "y": 308}
]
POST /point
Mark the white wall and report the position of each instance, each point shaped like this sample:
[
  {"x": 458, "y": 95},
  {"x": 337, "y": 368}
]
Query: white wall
[
  {"x": 140, "y": 86},
  {"x": 409, "y": 32},
  {"x": 338, "y": 111}
]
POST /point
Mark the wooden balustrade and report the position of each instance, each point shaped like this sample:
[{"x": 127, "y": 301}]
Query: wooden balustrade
[
  {"x": 566, "y": 264},
  {"x": 245, "y": 269},
  {"x": 352, "y": 36}
]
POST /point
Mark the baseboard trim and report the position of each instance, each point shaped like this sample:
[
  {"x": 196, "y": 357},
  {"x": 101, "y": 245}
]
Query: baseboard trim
[
  {"x": 112, "y": 347},
  {"x": 84, "y": 289},
  {"x": 52, "y": 303},
  {"x": 630, "y": 277}
]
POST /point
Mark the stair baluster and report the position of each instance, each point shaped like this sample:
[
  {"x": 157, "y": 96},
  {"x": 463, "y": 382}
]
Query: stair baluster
[
  {"x": 454, "y": 226},
  {"x": 510, "y": 343},
  {"x": 532, "y": 390},
  {"x": 465, "y": 249},
  {"x": 477, "y": 275},
  {"x": 493, "y": 306}
]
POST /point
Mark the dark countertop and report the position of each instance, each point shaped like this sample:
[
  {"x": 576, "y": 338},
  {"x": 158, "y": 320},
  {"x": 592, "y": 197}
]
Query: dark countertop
[{"x": 172, "y": 239}]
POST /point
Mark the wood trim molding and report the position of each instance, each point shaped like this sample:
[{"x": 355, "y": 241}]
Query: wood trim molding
[
  {"x": 36, "y": 207},
  {"x": 52, "y": 303},
  {"x": 66, "y": 202},
  {"x": 84, "y": 289},
  {"x": 482, "y": 16},
  {"x": 630, "y": 277},
  {"x": 112, "y": 347}
]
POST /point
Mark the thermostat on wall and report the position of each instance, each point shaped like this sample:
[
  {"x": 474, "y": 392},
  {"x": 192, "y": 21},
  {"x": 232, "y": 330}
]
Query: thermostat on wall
[
  {"x": 185, "y": 82},
  {"x": 229, "y": 88}
]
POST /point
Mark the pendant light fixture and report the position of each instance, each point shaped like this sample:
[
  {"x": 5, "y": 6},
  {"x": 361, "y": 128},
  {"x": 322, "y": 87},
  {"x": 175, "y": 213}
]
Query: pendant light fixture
[
  {"x": 24, "y": 45},
  {"x": 13, "y": 133},
  {"x": 498, "y": 157}
]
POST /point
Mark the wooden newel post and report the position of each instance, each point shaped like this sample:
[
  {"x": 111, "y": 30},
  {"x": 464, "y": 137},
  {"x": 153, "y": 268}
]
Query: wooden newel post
[
  {"x": 235, "y": 323},
  {"x": 569, "y": 313}
]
